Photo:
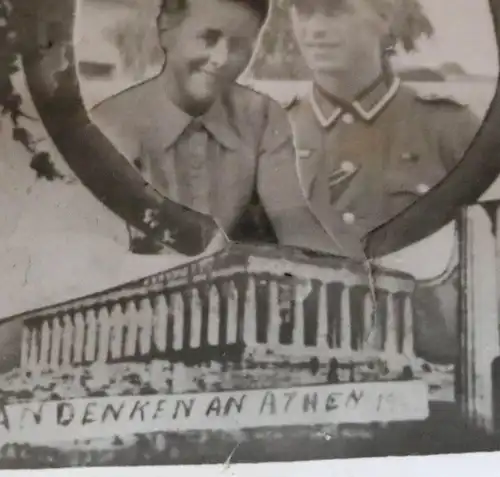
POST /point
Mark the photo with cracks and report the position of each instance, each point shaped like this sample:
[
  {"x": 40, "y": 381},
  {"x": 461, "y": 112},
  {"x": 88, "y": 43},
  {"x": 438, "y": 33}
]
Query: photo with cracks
[{"x": 263, "y": 229}]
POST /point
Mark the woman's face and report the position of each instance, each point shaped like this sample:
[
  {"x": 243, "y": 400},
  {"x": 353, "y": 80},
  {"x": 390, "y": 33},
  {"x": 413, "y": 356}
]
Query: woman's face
[
  {"x": 337, "y": 36},
  {"x": 211, "y": 47}
]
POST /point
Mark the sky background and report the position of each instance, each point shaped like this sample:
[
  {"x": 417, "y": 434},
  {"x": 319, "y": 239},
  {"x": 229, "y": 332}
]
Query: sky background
[{"x": 463, "y": 33}]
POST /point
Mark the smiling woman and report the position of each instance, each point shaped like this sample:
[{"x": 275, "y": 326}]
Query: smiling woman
[{"x": 223, "y": 144}]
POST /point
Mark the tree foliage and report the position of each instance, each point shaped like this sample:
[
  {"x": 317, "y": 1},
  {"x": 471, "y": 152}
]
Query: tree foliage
[
  {"x": 136, "y": 38},
  {"x": 11, "y": 100}
]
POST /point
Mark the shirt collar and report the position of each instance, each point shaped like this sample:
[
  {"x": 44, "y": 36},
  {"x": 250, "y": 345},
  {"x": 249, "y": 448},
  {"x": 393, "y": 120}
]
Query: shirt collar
[
  {"x": 215, "y": 120},
  {"x": 368, "y": 104}
]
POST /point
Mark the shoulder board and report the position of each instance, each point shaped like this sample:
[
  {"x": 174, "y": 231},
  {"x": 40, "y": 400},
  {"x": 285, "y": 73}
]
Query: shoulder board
[
  {"x": 440, "y": 99},
  {"x": 289, "y": 103}
]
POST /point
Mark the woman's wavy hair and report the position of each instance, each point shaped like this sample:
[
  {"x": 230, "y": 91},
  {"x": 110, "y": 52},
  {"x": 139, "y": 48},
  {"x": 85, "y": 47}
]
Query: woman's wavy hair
[{"x": 179, "y": 8}]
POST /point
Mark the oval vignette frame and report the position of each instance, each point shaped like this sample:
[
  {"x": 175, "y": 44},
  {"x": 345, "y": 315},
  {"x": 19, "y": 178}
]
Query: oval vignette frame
[
  {"x": 115, "y": 182},
  {"x": 55, "y": 90},
  {"x": 479, "y": 169}
]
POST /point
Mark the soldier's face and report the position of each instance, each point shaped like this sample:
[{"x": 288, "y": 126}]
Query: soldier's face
[
  {"x": 336, "y": 36},
  {"x": 211, "y": 46}
]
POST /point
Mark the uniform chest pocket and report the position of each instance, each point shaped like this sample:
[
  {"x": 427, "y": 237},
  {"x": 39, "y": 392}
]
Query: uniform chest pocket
[
  {"x": 405, "y": 183},
  {"x": 413, "y": 177}
]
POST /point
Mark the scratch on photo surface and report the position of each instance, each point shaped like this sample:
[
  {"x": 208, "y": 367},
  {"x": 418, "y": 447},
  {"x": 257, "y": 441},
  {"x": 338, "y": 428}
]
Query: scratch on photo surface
[
  {"x": 227, "y": 463},
  {"x": 27, "y": 271},
  {"x": 368, "y": 262}
]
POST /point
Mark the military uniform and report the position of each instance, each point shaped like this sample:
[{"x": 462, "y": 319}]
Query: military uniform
[
  {"x": 362, "y": 163},
  {"x": 242, "y": 146}
]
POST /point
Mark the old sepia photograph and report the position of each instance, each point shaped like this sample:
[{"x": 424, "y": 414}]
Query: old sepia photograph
[{"x": 248, "y": 230}]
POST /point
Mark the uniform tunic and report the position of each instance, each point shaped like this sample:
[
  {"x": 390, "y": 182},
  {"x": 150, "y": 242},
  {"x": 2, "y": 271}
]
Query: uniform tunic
[
  {"x": 364, "y": 162},
  {"x": 214, "y": 163}
]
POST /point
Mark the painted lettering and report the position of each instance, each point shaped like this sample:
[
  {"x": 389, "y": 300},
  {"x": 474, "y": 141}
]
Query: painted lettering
[
  {"x": 354, "y": 398},
  {"x": 310, "y": 402},
  {"x": 88, "y": 417},
  {"x": 110, "y": 410},
  {"x": 187, "y": 408},
  {"x": 214, "y": 407},
  {"x": 139, "y": 408},
  {"x": 159, "y": 408},
  {"x": 269, "y": 403},
  {"x": 35, "y": 415},
  {"x": 332, "y": 402},
  {"x": 65, "y": 413},
  {"x": 4, "y": 417},
  {"x": 289, "y": 396},
  {"x": 234, "y": 403},
  {"x": 387, "y": 401}
]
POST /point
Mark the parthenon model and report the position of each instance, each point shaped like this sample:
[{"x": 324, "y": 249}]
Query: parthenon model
[{"x": 244, "y": 300}]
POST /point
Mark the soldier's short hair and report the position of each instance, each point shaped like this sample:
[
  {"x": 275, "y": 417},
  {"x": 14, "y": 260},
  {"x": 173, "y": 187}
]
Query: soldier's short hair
[
  {"x": 386, "y": 10},
  {"x": 179, "y": 7},
  {"x": 384, "y": 7}
]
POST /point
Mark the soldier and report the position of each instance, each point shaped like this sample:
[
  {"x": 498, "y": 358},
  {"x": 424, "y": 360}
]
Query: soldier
[
  {"x": 368, "y": 146},
  {"x": 201, "y": 139}
]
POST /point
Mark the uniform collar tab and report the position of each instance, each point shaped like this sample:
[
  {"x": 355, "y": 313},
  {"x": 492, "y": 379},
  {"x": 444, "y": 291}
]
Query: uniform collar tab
[
  {"x": 372, "y": 103},
  {"x": 369, "y": 103}
]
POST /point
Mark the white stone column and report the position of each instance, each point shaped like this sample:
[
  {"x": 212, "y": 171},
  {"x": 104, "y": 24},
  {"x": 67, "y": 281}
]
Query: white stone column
[
  {"x": 131, "y": 319},
  {"x": 298, "y": 319},
  {"x": 391, "y": 338},
  {"x": 408, "y": 339},
  {"x": 250, "y": 314},
  {"x": 145, "y": 321},
  {"x": 104, "y": 333},
  {"x": 56, "y": 343},
  {"x": 67, "y": 339},
  {"x": 177, "y": 314},
  {"x": 232, "y": 314},
  {"x": 117, "y": 321},
  {"x": 45, "y": 346},
  {"x": 480, "y": 259},
  {"x": 160, "y": 323},
  {"x": 274, "y": 318},
  {"x": 79, "y": 338},
  {"x": 34, "y": 348},
  {"x": 345, "y": 319},
  {"x": 196, "y": 317},
  {"x": 322, "y": 337},
  {"x": 213, "y": 316},
  {"x": 25, "y": 346},
  {"x": 91, "y": 337}
]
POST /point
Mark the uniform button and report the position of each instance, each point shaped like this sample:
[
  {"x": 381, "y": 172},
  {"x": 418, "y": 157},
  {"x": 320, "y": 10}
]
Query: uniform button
[
  {"x": 304, "y": 153},
  {"x": 348, "y": 218},
  {"x": 348, "y": 118},
  {"x": 423, "y": 189},
  {"x": 409, "y": 156},
  {"x": 348, "y": 166}
]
